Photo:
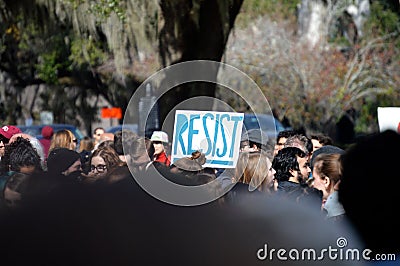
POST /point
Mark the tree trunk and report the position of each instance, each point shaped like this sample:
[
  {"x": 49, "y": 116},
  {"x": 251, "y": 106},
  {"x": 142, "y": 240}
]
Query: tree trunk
[{"x": 194, "y": 30}]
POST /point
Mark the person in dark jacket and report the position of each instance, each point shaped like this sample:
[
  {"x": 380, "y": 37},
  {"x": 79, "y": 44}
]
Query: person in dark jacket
[
  {"x": 369, "y": 192},
  {"x": 291, "y": 166}
]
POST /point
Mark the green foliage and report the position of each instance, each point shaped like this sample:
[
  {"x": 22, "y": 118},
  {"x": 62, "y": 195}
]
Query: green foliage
[
  {"x": 340, "y": 41},
  {"x": 86, "y": 52},
  {"x": 382, "y": 20},
  {"x": 286, "y": 7},
  {"x": 367, "y": 120},
  {"x": 333, "y": 83},
  {"x": 251, "y": 9},
  {"x": 74, "y": 3},
  {"x": 48, "y": 67},
  {"x": 52, "y": 60},
  {"x": 29, "y": 33},
  {"x": 104, "y": 8}
]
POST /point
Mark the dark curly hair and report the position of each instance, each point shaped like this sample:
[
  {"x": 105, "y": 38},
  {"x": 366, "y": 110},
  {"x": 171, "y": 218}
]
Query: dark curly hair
[
  {"x": 18, "y": 154},
  {"x": 286, "y": 160}
]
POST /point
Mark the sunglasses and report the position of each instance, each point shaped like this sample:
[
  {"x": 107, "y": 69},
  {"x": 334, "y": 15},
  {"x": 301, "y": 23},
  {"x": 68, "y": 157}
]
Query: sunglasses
[
  {"x": 100, "y": 168},
  {"x": 75, "y": 141}
]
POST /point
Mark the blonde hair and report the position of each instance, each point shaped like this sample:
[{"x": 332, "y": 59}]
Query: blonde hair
[
  {"x": 62, "y": 139},
  {"x": 252, "y": 168}
]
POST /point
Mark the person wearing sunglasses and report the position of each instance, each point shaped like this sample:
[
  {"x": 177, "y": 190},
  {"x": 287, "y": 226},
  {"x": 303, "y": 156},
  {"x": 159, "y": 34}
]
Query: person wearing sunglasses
[{"x": 103, "y": 161}]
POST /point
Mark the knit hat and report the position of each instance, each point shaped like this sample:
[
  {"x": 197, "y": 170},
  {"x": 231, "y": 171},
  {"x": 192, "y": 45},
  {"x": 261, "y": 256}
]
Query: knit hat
[
  {"x": 47, "y": 132},
  {"x": 327, "y": 149},
  {"x": 61, "y": 159},
  {"x": 9, "y": 131}
]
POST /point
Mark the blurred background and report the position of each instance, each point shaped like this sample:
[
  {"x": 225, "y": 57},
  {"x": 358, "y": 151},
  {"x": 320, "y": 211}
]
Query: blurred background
[{"x": 324, "y": 66}]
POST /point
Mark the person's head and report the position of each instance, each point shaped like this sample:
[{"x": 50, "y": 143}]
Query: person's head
[
  {"x": 21, "y": 156},
  {"x": 63, "y": 161},
  {"x": 97, "y": 132},
  {"x": 63, "y": 139},
  {"x": 2, "y": 146},
  {"x": 255, "y": 169},
  {"x": 300, "y": 141},
  {"x": 319, "y": 140},
  {"x": 106, "y": 139},
  {"x": 6, "y": 132},
  {"x": 123, "y": 216},
  {"x": 281, "y": 139},
  {"x": 159, "y": 139},
  {"x": 86, "y": 144},
  {"x": 327, "y": 149},
  {"x": 327, "y": 172},
  {"x": 47, "y": 132},
  {"x": 123, "y": 139},
  {"x": 254, "y": 140},
  {"x": 141, "y": 153},
  {"x": 106, "y": 136},
  {"x": 189, "y": 166},
  {"x": 291, "y": 164},
  {"x": 102, "y": 161},
  {"x": 35, "y": 144},
  {"x": 105, "y": 143},
  {"x": 369, "y": 190}
]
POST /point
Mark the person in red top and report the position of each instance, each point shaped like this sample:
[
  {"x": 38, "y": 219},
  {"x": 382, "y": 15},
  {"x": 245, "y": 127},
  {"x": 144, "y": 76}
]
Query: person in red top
[
  {"x": 47, "y": 133},
  {"x": 159, "y": 139}
]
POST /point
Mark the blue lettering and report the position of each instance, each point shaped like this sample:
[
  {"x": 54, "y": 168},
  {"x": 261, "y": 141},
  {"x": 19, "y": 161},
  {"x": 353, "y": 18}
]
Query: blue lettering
[
  {"x": 223, "y": 136},
  {"x": 215, "y": 133},
  {"x": 181, "y": 126},
  {"x": 191, "y": 133},
  {"x": 209, "y": 144},
  {"x": 236, "y": 119}
]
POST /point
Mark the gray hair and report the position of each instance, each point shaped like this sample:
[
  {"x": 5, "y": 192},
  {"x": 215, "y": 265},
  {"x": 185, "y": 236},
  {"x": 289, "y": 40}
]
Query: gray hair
[{"x": 39, "y": 149}]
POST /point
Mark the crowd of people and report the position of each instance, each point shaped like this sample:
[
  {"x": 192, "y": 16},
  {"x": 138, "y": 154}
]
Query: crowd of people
[{"x": 56, "y": 175}]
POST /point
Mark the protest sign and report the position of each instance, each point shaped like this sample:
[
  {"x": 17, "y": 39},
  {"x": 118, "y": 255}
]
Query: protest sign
[
  {"x": 389, "y": 118},
  {"x": 216, "y": 134}
]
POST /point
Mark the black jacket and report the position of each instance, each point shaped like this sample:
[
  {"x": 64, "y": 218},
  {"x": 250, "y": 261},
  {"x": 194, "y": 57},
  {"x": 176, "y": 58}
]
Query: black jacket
[{"x": 300, "y": 193}]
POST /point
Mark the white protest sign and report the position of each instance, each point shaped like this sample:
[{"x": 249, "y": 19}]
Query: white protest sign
[
  {"x": 389, "y": 118},
  {"x": 216, "y": 134}
]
